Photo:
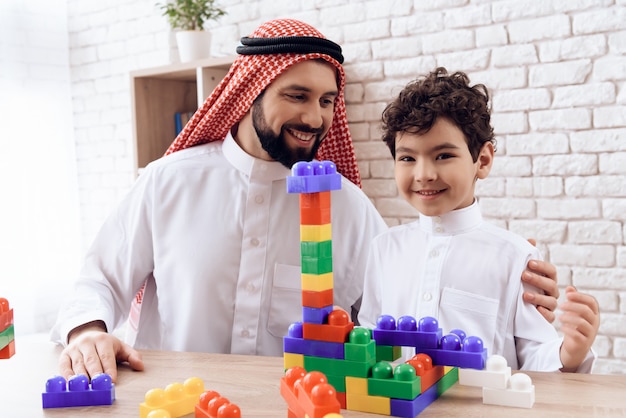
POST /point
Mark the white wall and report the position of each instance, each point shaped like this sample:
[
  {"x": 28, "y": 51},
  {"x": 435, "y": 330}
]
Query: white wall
[
  {"x": 39, "y": 222},
  {"x": 558, "y": 73}
]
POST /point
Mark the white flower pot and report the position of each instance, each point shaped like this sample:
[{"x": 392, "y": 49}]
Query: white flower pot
[{"x": 193, "y": 44}]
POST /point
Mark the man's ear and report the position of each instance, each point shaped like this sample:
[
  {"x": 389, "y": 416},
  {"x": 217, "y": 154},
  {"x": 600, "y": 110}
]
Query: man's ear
[{"x": 485, "y": 160}]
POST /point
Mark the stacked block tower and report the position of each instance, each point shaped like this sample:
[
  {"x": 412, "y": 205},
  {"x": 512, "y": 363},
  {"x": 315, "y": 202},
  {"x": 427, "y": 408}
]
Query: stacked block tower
[
  {"x": 7, "y": 332},
  {"x": 356, "y": 362},
  {"x": 326, "y": 341}
]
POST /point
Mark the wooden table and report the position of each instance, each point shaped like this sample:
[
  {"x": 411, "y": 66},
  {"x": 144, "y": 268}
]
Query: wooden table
[{"x": 252, "y": 383}]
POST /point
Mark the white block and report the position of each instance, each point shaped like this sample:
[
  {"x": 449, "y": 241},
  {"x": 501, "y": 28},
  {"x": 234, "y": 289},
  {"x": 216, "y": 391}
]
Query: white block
[
  {"x": 495, "y": 375},
  {"x": 520, "y": 393}
]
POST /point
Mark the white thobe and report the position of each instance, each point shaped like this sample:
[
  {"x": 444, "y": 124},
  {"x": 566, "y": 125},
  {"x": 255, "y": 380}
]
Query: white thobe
[
  {"x": 217, "y": 235},
  {"x": 466, "y": 273}
]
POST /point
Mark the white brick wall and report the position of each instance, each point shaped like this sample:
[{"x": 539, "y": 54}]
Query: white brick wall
[{"x": 557, "y": 70}]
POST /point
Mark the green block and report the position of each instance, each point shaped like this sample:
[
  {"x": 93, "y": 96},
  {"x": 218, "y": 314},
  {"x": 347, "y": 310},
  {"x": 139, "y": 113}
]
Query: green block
[
  {"x": 360, "y": 352},
  {"x": 338, "y": 382},
  {"x": 338, "y": 367},
  {"x": 388, "y": 352},
  {"x": 317, "y": 265},
  {"x": 401, "y": 384},
  {"x": 316, "y": 249},
  {"x": 447, "y": 381},
  {"x": 7, "y": 336}
]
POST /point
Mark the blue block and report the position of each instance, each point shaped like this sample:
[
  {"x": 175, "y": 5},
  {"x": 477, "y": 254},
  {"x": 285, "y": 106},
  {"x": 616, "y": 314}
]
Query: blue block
[
  {"x": 316, "y": 315},
  {"x": 412, "y": 408},
  {"x": 294, "y": 343},
  {"x": 407, "y": 332},
  {"x": 468, "y": 355},
  {"x": 78, "y": 391},
  {"x": 313, "y": 177}
]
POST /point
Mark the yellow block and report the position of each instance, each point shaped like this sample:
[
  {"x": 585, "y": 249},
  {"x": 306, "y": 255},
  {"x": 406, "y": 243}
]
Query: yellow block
[
  {"x": 317, "y": 282},
  {"x": 316, "y": 233},
  {"x": 292, "y": 360},
  {"x": 365, "y": 403},
  {"x": 356, "y": 385}
]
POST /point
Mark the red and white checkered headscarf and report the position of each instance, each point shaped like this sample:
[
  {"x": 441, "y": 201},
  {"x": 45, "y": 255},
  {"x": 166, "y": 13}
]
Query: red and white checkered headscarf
[{"x": 248, "y": 76}]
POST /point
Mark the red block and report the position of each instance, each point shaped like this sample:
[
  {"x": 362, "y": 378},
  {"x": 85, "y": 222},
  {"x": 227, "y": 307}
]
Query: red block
[
  {"x": 337, "y": 329},
  {"x": 317, "y": 299},
  {"x": 308, "y": 394}
]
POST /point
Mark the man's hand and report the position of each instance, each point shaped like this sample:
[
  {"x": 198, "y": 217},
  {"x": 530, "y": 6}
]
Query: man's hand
[
  {"x": 92, "y": 350},
  {"x": 542, "y": 275},
  {"x": 579, "y": 324}
]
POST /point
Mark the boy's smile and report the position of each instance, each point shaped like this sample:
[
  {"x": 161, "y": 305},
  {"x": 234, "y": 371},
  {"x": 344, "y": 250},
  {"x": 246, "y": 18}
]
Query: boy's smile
[{"x": 434, "y": 170}]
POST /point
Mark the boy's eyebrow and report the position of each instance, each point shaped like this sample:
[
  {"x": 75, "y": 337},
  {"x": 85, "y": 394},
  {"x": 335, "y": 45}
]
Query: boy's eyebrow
[{"x": 445, "y": 145}]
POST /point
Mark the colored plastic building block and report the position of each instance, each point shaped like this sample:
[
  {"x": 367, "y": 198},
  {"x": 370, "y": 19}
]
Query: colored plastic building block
[
  {"x": 336, "y": 330},
  {"x": 428, "y": 374},
  {"x": 317, "y": 299},
  {"x": 316, "y": 315},
  {"x": 212, "y": 405},
  {"x": 308, "y": 394},
  {"x": 316, "y": 233},
  {"x": 388, "y": 352},
  {"x": 317, "y": 282},
  {"x": 6, "y": 314},
  {"x": 178, "y": 399},
  {"x": 469, "y": 354},
  {"x": 78, "y": 392},
  {"x": 316, "y": 176},
  {"x": 520, "y": 393},
  {"x": 495, "y": 375},
  {"x": 407, "y": 332},
  {"x": 412, "y": 408},
  {"x": 360, "y": 346},
  {"x": 400, "y": 382},
  {"x": 7, "y": 330},
  {"x": 295, "y": 343}
]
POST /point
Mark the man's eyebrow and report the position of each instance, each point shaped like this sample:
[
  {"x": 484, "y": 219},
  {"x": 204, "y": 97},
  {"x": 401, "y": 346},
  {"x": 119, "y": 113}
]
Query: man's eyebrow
[{"x": 298, "y": 87}]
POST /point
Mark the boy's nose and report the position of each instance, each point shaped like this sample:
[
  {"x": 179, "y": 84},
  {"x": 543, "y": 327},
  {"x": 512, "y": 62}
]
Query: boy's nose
[{"x": 424, "y": 172}]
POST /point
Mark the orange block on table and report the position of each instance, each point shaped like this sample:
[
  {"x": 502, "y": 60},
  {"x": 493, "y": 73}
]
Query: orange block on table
[{"x": 429, "y": 374}]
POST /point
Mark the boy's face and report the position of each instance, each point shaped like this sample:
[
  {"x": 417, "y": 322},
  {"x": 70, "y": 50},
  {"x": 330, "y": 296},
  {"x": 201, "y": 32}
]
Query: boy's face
[{"x": 435, "y": 172}]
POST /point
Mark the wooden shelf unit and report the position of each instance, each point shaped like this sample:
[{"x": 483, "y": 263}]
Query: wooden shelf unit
[{"x": 159, "y": 93}]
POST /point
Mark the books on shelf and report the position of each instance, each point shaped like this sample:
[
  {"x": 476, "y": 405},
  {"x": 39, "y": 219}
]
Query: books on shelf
[{"x": 181, "y": 119}]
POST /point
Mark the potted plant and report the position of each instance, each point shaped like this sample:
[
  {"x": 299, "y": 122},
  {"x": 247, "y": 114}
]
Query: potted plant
[{"x": 188, "y": 17}]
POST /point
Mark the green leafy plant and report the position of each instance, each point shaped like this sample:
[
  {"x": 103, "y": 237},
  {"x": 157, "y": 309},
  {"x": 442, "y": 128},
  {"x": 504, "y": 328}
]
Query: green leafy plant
[{"x": 190, "y": 14}]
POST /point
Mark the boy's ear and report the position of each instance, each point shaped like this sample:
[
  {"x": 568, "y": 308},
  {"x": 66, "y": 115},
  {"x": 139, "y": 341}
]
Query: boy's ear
[{"x": 485, "y": 160}]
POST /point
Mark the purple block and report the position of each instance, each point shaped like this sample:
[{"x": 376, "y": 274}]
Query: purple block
[
  {"x": 407, "y": 333},
  {"x": 78, "y": 391},
  {"x": 412, "y": 408},
  {"x": 470, "y": 354},
  {"x": 316, "y": 315},
  {"x": 313, "y": 177},
  {"x": 295, "y": 344}
]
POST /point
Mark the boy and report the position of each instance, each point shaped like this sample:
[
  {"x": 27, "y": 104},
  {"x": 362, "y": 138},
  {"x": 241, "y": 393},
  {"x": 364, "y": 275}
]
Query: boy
[{"x": 451, "y": 264}]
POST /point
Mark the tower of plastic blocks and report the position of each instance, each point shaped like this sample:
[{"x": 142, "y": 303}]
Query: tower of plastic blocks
[
  {"x": 326, "y": 341},
  {"x": 7, "y": 332}
]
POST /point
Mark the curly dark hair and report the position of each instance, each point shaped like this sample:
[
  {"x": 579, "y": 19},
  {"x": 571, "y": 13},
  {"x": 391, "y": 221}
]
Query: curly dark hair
[{"x": 440, "y": 94}]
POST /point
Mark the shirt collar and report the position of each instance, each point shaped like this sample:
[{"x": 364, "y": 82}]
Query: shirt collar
[
  {"x": 255, "y": 168},
  {"x": 452, "y": 223}
]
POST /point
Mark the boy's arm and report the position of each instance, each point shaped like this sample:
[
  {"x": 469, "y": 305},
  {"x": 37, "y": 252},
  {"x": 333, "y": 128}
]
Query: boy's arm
[{"x": 579, "y": 324}]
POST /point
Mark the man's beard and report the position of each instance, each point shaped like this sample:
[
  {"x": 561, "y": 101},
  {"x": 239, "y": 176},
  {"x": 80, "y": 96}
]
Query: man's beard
[{"x": 276, "y": 145}]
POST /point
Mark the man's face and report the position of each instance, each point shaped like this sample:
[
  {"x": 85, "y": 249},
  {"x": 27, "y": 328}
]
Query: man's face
[{"x": 295, "y": 112}]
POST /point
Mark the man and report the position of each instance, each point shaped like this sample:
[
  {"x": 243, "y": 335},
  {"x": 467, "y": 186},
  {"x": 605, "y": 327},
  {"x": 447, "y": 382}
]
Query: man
[{"x": 211, "y": 227}]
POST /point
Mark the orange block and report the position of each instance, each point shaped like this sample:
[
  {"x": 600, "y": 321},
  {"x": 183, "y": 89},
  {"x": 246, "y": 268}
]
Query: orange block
[
  {"x": 319, "y": 200},
  {"x": 8, "y": 351},
  {"x": 336, "y": 330},
  {"x": 314, "y": 216},
  {"x": 308, "y": 394},
  {"x": 317, "y": 299},
  {"x": 429, "y": 374}
]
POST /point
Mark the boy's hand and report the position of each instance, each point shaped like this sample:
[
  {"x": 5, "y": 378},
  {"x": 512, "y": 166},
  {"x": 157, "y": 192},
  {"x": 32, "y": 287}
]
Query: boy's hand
[
  {"x": 579, "y": 324},
  {"x": 542, "y": 275},
  {"x": 95, "y": 351}
]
